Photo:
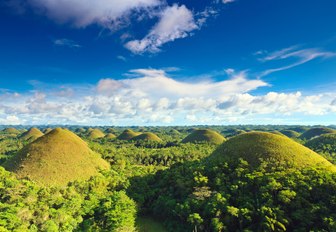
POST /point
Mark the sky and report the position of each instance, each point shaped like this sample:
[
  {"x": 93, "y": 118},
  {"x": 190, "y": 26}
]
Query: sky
[{"x": 158, "y": 62}]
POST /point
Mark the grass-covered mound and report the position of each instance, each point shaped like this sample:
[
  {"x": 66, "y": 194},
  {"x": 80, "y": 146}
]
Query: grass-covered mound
[
  {"x": 110, "y": 136},
  {"x": 127, "y": 135},
  {"x": 47, "y": 130},
  {"x": 56, "y": 159},
  {"x": 11, "y": 130},
  {"x": 314, "y": 132},
  {"x": 325, "y": 145},
  {"x": 96, "y": 134},
  {"x": 204, "y": 135},
  {"x": 147, "y": 136},
  {"x": 290, "y": 133},
  {"x": 275, "y": 150},
  {"x": 110, "y": 130},
  {"x": 31, "y": 135}
]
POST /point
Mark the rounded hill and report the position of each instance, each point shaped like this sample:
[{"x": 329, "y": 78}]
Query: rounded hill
[
  {"x": 127, "y": 135},
  {"x": 147, "y": 136},
  {"x": 56, "y": 159},
  {"x": 11, "y": 130},
  {"x": 110, "y": 136},
  {"x": 32, "y": 134},
  {"x": 290, "y": 133},
  {"x": 255, "y": 147},
  {"x": 204, "y": 135},
  {"x": 96, "y": 134},
  {"x": 324, "y": 144},
  {"x": 314, "y": 132}
]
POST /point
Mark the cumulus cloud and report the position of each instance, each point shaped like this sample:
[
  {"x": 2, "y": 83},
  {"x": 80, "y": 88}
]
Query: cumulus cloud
[
  {"x": 175, "y": 22},
  {"x": 81, "y": 13},
  {"x": 151, "y": 96}
]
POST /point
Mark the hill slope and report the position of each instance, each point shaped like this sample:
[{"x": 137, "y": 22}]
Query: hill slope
[
  {"x": 127, "y": 134},
  {"x": 96, "y": 134},
  {"x": 290, "y": 133},
  {"x": 110, "y": 136},
  {"x": 324, "y": 144},
  {"x": 204, "y": 135},
  {"x": 148, "y": 136},
  {"x": 11, "y": 130},
  {"x": 274, "y": 149},
  {"x": 32, "y": 134},
  {"x": 56, "y": 159},
  {"x": 314, "y": 132}
]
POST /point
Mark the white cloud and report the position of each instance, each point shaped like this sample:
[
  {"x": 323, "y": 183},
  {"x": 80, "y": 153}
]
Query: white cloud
[
  {"x": 81, "y": 13},
  {"x": 151, "y": 96},
  {"x": 228, "y": 1},
  {"x": 294, "y": 55},
  {"x": 175, "y": 22},
  {"x": 66, "y": 43}
]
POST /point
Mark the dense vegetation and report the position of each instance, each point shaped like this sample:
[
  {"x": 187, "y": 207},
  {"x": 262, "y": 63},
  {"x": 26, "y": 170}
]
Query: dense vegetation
[{"x": 158, "y": 183}]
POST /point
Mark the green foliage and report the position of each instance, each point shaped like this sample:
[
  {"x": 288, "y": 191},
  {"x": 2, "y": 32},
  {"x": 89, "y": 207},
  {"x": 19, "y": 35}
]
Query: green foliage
[{"x": 239, "y": 199}]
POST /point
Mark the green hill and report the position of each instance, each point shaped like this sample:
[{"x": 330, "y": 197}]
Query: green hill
[
  {"x": 290, "y": 133},
  {"x": 148, "y": 136},
  {"x": 314, "y": 132},
  {"x": 127, "y": 135},
  {"x": 325, "y": 145},
  {"x": 96, "y": 134},
  {"x": 110, "y": 130},
  {"x": 32, "y": 134},
  {"x": 11, "y": 130},
  {"x": 110, "y": 136},
  {"x": 204, "y": 135},
  {"x": 273, "y": 149},
  {"x": 56, "y": 159}
]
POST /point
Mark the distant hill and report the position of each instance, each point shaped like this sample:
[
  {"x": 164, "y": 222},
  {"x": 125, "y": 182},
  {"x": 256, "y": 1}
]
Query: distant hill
[
  {"x": 147, "y": 136},
  {"x": 324, "y": 144},
  {"x": 290, "y": 133},
  {"x": 127, "y": 135},
  {"x": 274, "y": 149},
  {"x": 11, "y": 130},
  {"x": 110, "y": 136},
  {"x": 31, "y": 135},
  {"x": 96, "y": 134},
  {"x": 47, "y": 130},
  {"x": 204, "y": 135},
  {"x": 56, "y": 159},
  {"x": 314, "y": 132}
]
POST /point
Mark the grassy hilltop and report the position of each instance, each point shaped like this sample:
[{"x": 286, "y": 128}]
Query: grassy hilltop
[
  {"x": 275, "y": 149},
  {"x": 56, "y": 159},
  {"x": 204, "y": 135}
]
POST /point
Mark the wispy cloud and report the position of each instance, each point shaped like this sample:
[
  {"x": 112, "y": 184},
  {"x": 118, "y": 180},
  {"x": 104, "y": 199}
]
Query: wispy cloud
[
  {"x": 228, "y": 1},
  {"x": 66, "y": 43},
  {"x": 122, "y": 58},
  {"x": 294, "y": 55}
]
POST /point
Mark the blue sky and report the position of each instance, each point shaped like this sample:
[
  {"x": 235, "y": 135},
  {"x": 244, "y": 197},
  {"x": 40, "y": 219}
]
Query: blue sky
[{"x": 156, "y": 62}]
